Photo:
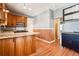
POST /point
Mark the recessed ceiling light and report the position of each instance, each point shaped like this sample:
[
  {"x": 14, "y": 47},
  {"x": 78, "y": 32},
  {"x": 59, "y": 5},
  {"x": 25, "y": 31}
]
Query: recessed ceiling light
[{"x": 24, "y": 7}]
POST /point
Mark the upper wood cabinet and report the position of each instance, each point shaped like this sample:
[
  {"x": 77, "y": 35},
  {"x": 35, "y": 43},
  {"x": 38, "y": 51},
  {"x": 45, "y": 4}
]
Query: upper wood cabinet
[
  {"x": 2, "y": 6},
  {"x": 3, "y": 13},
  {"x": 11, "y": 20},
  {"x": 7, "y": 18},
  {"x": 22, "y": 19}
]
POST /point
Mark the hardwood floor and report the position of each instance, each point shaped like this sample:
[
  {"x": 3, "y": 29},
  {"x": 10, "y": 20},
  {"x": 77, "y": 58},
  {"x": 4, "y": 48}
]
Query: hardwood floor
[{"x": 44, "y": 49}]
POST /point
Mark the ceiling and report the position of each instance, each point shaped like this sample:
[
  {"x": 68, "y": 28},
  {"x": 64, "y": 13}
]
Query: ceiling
[{"x": 33, "y": 9}]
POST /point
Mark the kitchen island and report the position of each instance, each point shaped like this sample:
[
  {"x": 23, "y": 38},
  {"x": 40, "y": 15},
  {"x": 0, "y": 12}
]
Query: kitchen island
[{"x": 17, "y": 44}]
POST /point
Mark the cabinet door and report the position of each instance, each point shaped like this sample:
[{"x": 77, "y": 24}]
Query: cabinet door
[
  {"x": 30, "y": 46},
  {"x": 19, "y": 48},
  {"x": 25, "y": 21},
  {"x": 22, "y": 19},
  {"x": 7, "y": 47},
  {"x": 1, "y": 47},
  {"x": 14, "y": 18},
  {"x": 2, "y": 6},
  {"x": 2, "y": 15},
  {"x": 9, "y": 20}
]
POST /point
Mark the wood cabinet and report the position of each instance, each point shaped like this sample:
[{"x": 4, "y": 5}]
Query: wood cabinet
[
  {"x": 11, "y": 20},
  {"x": 2, "y": 6},
  {"x": 20, "y": 46},
  {"x": 22, "y": 19},
  {"x": 25, "y": 46},
  {"x": 1, "y": 47},
  {"x": 2, "y": 14},
  {"x": 6, "y": 47},
  {"x": 30, "y": 45}
]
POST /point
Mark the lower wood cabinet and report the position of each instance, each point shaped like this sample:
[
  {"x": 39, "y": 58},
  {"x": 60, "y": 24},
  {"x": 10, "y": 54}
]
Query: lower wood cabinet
[
  {"x": 6, "y": 47},
  {"x": 20, "y": 46},
  {"x": 30, "y": 45}
]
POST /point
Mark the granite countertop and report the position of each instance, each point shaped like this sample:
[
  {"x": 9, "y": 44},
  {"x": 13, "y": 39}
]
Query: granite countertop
[{"x": 13, "y": 35}]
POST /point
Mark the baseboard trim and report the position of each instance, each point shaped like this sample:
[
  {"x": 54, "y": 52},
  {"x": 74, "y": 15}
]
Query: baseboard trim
[{"x": 49, "y": 42}]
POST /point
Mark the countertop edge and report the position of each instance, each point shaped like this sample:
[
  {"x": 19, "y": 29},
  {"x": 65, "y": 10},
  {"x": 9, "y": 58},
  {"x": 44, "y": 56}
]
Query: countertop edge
[{"x": 18, "y": 35}]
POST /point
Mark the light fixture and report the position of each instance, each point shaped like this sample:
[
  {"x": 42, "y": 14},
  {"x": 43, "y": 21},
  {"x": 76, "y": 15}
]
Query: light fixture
[
  {"x": 24, "y": 6},
  {"x": 5, "y": 10},
  {"x": 27, "y": 8}
]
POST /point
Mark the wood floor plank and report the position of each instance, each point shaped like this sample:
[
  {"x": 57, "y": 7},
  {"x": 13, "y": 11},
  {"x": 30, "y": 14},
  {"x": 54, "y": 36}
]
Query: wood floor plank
[{"x": 54, "y": 49}]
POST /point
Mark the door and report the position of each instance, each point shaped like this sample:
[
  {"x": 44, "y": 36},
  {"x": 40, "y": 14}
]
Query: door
[{"x": 56, "y": 29}]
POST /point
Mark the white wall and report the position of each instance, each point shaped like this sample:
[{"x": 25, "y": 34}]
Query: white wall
[
  {"x": 51, "y": 15},
  {"x": 42, "y": 20},
  {"x": 58, "y": 13}
]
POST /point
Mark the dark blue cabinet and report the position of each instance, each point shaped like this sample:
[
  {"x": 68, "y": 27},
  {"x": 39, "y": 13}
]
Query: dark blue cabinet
[{"x": 70, "y": 41}]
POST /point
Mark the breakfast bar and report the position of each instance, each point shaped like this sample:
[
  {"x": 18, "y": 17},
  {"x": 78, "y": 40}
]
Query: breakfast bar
[{"x": 17, "y": 44}]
